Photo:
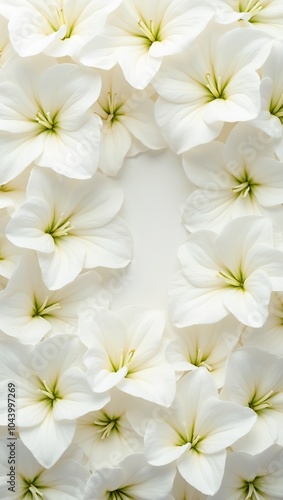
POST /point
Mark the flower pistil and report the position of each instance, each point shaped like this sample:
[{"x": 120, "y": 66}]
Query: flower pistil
[
  {"x": 252, "y": 7},
  {"x": 106, "y": 425},
  {"x": 199, "y": 361},
  {"x": 45, "y": 120},
  {"x": 251, "y": 493},
  {"x": 36, "y": 493},
  {"x": 243, "y": 189},
  {"x": 47, "y": 391},
  {"x": 149, "y": 31},
  {"x": 215, "y": 86},
  {"x": 231, "y": 279},
  {"x": 261, "y": 403},
  {"x": 45, "y": 309},
  {"x": 60, "y": 228}
]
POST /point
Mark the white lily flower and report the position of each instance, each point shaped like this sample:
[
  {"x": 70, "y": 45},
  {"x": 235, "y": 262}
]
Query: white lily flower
[
  {"x": 132, "y": 478},
  {"x": 52, "y": 392},
  {"x": 106, "y": 436},
  {"x": 249, "y": 477},
  {"x": 44, "y": 116},
  {"x": 221, "y": 274},
  {"x": 6, "y": 49},
  {"x": 56, "y": 27},
  {"x": 270, "y": 119},
  {"x": 182, "y": 489},
  {"x": 213, "y": 82},
  {"x": 66, "y": 480},
  {"x": 233, "y": 180},
  {"x": 196, "y": 431},
  {"x": 9, "y": 254},
  {"x": 128, "y": 121},
  {"x": 139, "y": 35},
  {"x": 265, "y": 15},
  {"x": 269, "y": 338},
  {"x": 72, "y": 226},
  {"x": 13, "y": 193},
  {"x": 126, "y": 351},
  {"x": 204, "y": 346},
  {"x": 254, "y": 379},
  {"x": 29, "y": 311}
]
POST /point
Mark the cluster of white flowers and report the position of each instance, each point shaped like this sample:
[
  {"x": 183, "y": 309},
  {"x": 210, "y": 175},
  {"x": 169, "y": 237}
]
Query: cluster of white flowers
[{"x": 137, "y": 403}]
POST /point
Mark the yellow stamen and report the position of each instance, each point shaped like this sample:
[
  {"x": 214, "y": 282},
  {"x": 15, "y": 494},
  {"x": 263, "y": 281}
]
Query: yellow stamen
[
  {"x": 195, "y": 441},
  {"x": 125, "y": 360},
  {"x": 61, "y": 228},
  {"x": 35, "y": 492},
  {"x": 230, "y": 279},
  {"x": 199, "y": 362},
  {"x": 45, "y": 119},
  {"x": 243, "y": 188},
  {"x": 261, "y": 403},
  {"x": 252, "y": 492},
  {"x": 252, "y": 9},
  {"x": 48, "y": 392},
  {"x": 61, "y": 16},
  {"x": 43, "y": 310},
  {"x": 107, "y": 427},
  {"x": 213, "y": 86},
  {"x": 111, "y": 100},
  {"x": 148, "y": 30}
]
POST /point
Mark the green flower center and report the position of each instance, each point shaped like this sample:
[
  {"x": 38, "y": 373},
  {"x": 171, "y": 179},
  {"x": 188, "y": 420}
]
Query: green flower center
[
  {"x": 32, "y": 489},
  {"x": 45, "y": 309},
  {"x": 230, "y": 279},
  {"x": 149, "y": 31},
  {"x": 244, "y": 185},
  {"x": 59, "y": 228},
  {"x": 200, "y": 360},
  {"x": 45, "y": 119},
  {"x": 251, "y": 491},
  {"x": 57, "y": 19},
  {"x": 188, "y": 438},
  {"x": 276, "y": 108},
  {"x": 124, "y": 360},
  {"x": 111, "y": 108},
  {"x": 195, "y": 440},
  {"x": 119, "y": 495},
  {"x": 253, "y": 7},
  {"x": 261, "y": 403},
  {"x": 50, "y": 393},
  {"x": 243, "y": 189},
  {"x": 36, "y": 493},
  {"x": 105, "y": 425},
  {"x": 215, "y": 86}
]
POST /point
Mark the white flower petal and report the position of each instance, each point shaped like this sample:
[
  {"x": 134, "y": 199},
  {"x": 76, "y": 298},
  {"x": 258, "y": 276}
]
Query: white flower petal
[
  {"x": 74, "y": 153},
  {"x": 26, "y": 228},
  {"x": 222, "y": 423},
  {"x": 162, "y": 444},
  {"x": 139, "y": 383},
  {"x": 77, "y": 397},
  {"x": 250, "y": 305},
  {"x": 48, "y": 440},
  {"x": 115, "y": 144},
  {"x": 187, "y": 303},
  {"x": 19, "y": 151},
  {"x": 63, "y": 265},
  {"x": 107, "y": 246},
  {"x": 203, "y": 472}
]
